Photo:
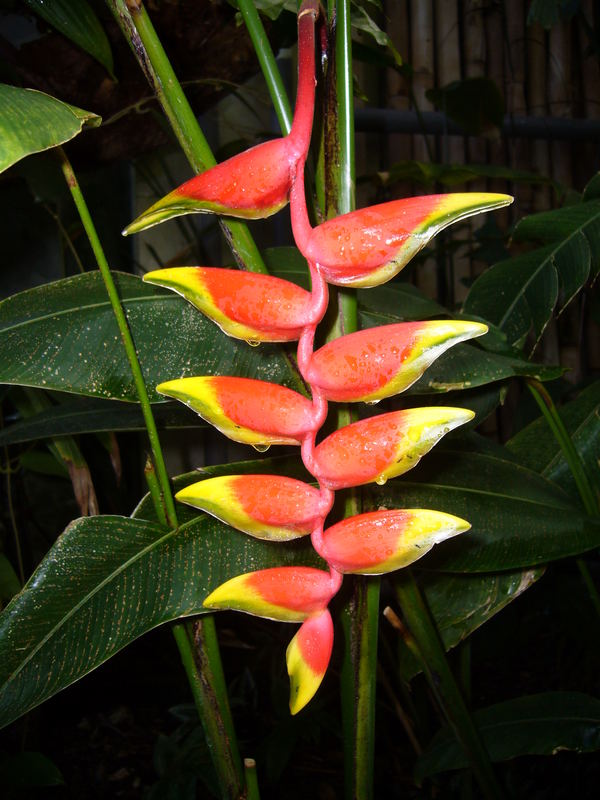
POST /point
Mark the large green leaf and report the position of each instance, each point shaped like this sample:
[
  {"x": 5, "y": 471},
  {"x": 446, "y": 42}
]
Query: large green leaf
[
  {"x": 460, "y": 604},
  {"x": 518, "y": 518},
  {"x": 90, "y": 415},
  {"x": 32, "y": 121},
  {"x": 520, "y": 294},
  {"x": 465, "y": 367},
  {"x": 539, "y": 724},
  {"x": 64, "y": 336},
  {"x": 537, "y": 448},
  {"x": 108, "y": 580},
  {"x": 78, "y": 21}
]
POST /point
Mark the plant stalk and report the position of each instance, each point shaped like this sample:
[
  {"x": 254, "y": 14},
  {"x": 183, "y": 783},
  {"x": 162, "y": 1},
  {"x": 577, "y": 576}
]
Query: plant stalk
[
  {"x": 442, "y": 682},
  {"x": 148, "y": 50},
  {"x": 268, "y": 65},
  {"x": 209, "y": 688}
]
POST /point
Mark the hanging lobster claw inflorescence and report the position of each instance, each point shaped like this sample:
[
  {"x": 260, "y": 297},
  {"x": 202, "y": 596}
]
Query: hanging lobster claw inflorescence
[{"x": 364, "y": 248}]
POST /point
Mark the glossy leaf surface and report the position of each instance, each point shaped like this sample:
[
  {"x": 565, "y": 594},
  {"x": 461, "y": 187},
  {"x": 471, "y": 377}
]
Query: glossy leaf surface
[
  {"x": 108, "y": 580},
  {"x": 520, "y": 294},
  {"x": 370, "y": 246},
  {"x": 518, "y": 519},
  {"x": 382, "y": 447},
  {"x": 288, "y": 594},
  {"x": 383, "y": 541},
  {"x": 539, "y": 724},
  {"x": 251, "y": 185},
  {"x": 307, "y": 657},
  {"x": 245, "y": 305},
  {"x": 266, "y": 506},
  {"x": 379, "y": 362},
  {"x": 64, "y": 336},
  {"x": 32, "y": 121},
  {"x": 246, "y": 410}
]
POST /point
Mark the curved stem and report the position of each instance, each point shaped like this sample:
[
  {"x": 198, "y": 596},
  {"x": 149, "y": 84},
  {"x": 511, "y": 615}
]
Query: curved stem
[
  {"x": 301, "y": 227},
  {"x": 305, "y": 94}
]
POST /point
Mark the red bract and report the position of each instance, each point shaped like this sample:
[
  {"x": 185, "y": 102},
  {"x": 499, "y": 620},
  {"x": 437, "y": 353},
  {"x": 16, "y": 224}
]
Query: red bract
[
  {"x": 289, "y": 594},
  {"x": 382, "y": 541},
  {"x": 380, "y": 448},
  {"x": 265, "y": 506},
  {"x": 246, "y": 410},
  {"x": 246, "y": 305},
  {"x": 379, "y": 362},
  {"x": 308, "y": 657},
  {"x": 370, "y": 246}
]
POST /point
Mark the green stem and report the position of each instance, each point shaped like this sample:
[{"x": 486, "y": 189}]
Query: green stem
[
  {"x": 136, "y": 370},
  {"x": 154, "y": 489},
  {"x": 442, "y": 682},
  {"x": 199, "y": 648},
  {"x": 208, "y": 689},
  {"x": 145, "y": 44},
  {"x": 252, "y": 792},
  {"x": 577, "y": 467},
  {"x": 268, "y": 65}
]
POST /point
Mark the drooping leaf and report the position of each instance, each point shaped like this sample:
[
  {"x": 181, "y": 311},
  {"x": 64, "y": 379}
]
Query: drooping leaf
[
  {"x": 460, "y": 604},
  {"x": 428, "y": 173},
  {"x": 31, "y": 121},
  {"x": 108, "y": 580},
  {"x": 64, "y": 336},
  {"x": 28, "y": 769},
  {"x": 537, "y": 448},
  {"x": 520, "y": 294},
  {"x": 518, "y": 518},
  {"x": 538, "y": 724},
  {"x": 91, "y": 415},
  {"x": 77, "y": 20}
]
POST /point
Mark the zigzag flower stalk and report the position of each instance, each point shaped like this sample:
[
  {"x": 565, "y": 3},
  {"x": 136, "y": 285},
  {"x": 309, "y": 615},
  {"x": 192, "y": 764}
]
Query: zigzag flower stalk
[{"x": 364, "y": 248}]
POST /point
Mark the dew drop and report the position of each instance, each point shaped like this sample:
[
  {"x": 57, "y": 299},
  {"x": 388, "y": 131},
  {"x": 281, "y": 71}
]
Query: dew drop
[
  {"x": 371, "y": 402},
  {"x": 381, "y": 480},
  {"x": 261, "y": 448},
  {"x": 252, "y": 343}
]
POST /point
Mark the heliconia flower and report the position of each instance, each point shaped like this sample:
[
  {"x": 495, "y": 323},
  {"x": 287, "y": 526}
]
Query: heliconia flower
[
  {"x": 379, "y": 362},
  {"x": 246, "y": 305},
  {"x": 288, "y": 594},
  {"x": 382, "y": 541},
  {"x": 382, "y": 447},
  {"x": 246, "y": 410},
  {"x": 307, "y": 657},
  {"x": 265, "y": 506},
  {"x": 370, "y": 246}
]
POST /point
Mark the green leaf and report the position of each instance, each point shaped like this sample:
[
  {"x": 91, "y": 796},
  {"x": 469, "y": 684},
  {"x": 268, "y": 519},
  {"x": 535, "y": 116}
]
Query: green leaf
[
  {"x": 476, "y": 104},
  {"x": 518, "y": 518},
  {"x": 538, "y": 724},
  {"x": 64, "y": 336},
  {"x": 549, "y": 12},
  {"x": 520, "y": 294},
  {"x": 90, "y": 415},
  {"x": 460, "y": 604},
  {"x": 28, "y": 769},
  {"x": 395, "y": 302},
  {"x": 466, "y": 367},
  {"x": 76, "y": 20},
  {"x": 32, "y": 121},
  {"x": 108, "y": 580},
  {"x": 361, "y": 21},
  {"x": 537, "y": 448},
  {"x": 592, "y": 189}
]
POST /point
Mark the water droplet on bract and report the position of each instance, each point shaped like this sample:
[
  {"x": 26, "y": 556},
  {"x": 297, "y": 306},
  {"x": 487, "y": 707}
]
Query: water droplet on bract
[
  {"x": 381, "y": 480},
  {"x": 252, "y": 342},
  {"x": 371, "y": 402},
  {"x": 261, "y": 448}
]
